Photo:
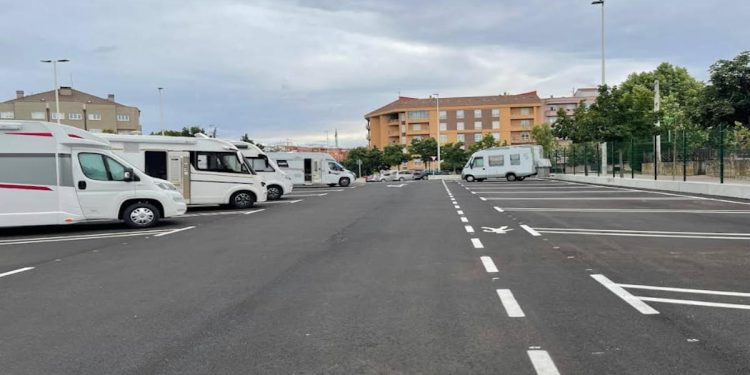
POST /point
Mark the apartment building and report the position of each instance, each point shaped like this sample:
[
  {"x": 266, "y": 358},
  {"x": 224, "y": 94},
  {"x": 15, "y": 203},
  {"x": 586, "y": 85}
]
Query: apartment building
[
  {"x": 508, "y": 118},
  {"x": 77, "y": 109},
  {"x": 568, "y": 103}
]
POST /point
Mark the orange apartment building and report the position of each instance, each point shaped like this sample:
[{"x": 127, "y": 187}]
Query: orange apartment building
[{"x": 508, "y": 118}]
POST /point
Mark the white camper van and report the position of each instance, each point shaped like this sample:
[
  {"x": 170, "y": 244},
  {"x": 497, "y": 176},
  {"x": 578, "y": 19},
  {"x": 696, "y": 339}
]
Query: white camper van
[
  {"x": 277, "y": 181},
  {"x": 57, "y": 174},
  {"x": 513, "y": 163},
  {"x": 313, "y": 168},
  {"x": 205, "y": 170}
]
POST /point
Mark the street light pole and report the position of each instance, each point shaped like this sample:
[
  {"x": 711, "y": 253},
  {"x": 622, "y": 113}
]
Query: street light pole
[
  {"x": 437, "y": 116},
  {"x": 601, "y": 2},
  {"x": 161, "y": 112},
  {"x": 57, "y": 89}
]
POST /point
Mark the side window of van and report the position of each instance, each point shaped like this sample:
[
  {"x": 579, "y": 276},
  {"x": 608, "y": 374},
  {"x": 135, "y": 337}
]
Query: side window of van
[
  {"x": 478, "y": 162},
  {"x": 515, "y": 159},
  {"x": 334, "y": 167},
  {"x": 282, "y": 163},
  {"x": 216, "y": 162},
  {"x": 260, "y": 164},
  {"x": 496, "y": 160},
  {"x": 101, "y": 168}
]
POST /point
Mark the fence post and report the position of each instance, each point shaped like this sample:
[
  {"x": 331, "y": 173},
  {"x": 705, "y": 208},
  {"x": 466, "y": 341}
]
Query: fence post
[
  {"x": 598, "y": 161},
  {"x": 556, "y": 171},
  {"x": 586, "y": 159},
  {"x": 721, "y": 153},
  {"x": 632, "y": 152},
  {"x": 613, "y": 159},
  {"x": 656, "y": 164},
  {"x": 684, "y": 155},
  {"x": 574, "y": 159},
  {"x": 565, "y": 161}
]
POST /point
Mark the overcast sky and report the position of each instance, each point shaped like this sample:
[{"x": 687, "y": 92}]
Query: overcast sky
[{"x": 294, "y": 69}]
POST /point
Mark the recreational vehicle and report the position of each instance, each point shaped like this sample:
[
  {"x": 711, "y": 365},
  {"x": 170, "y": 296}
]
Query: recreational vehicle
[
  {"x": 312, "y": 168},
  {"x": 57, "y": 174},
  {"x": 277, "y": 181},
  {"x": 204, "y": 170},
  {"x": 513, "y": 163}
]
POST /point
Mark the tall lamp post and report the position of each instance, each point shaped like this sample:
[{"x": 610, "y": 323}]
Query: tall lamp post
[
  {"x": 603, "y": 166},
  {"x": 57, "y": 89},
  {"x": 437, "y": 116},
  {"x": 161, "y": 111},
  {"x": 601, "y": 2}
]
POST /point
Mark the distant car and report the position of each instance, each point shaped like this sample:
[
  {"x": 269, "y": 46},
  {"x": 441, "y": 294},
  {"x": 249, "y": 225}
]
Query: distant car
[
  {"x": 373, "y": 178},
  {"x": 385, "y": 176},
  {"x": 421, "y": 175},
  {"x": 402, "y": 176}
]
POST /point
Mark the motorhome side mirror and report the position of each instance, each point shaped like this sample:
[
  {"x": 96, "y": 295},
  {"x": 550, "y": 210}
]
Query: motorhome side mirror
[{"x": 127, "y": 175}]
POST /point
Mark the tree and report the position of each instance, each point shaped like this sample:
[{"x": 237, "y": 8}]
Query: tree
[
  {"x": 246, "y": 138},
  {"x": 185, "y": 132},
  {"x": 453, "y": 156},
  {"x": 109, "y": 131},
  {"x": 372, "y": 160},
  {"x": 542, "y": 135},
  {"x": 726, "y": 100},
  {"x": 425, "y": 148},
  {"x": 393, "y": 154},
  {"x": 488, "y": 141}
]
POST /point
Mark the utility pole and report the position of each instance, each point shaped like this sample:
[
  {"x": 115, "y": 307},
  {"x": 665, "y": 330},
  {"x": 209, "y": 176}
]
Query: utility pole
[
  {"x": 603, "y": 146},
  {"x": 657, "y": 108},
  {"x": 437, "y": 116},
  {"x": 57, "y": 89}
]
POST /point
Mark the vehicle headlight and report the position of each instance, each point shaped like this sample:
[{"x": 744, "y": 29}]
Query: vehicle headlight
[{"x": 166, "y": 186}]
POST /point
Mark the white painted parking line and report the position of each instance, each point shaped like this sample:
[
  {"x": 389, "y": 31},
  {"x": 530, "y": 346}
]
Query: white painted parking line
[
  {"x": 460, "y": 212},
  {"x": 306, "y": 195},
  {"x": 16, "y": 271},
  {"x": 254, "y": 211},
  {"x": 318, "y": 190},
  {"x": 542, "y": 362},
  {"x": 630, "y": 299},
  {"x": 592, "y": 198},
  {"x": 498, "y": 209},
  {"x": 683, "y": 290},
  {"x": 283, "y": 201},
  {"x": 464, "y": 219},
  {"x": 456, "y": 206},
  {"x": 646, "y": 233},
  {"x": 483, "y": 198},
  {"x": 469, "y": 229},
  {"x": 530, "y": 230},
  {"x": 512, "y": 308},
  {"x": 695, "y": 303},
  {"x": 489, "y": 265},
  {"x": 21, "y": 241},
  {"x": 563, "y": 192},
  {"x": 625, "y": 210},
  {"x": 477, "y": 243},
  {"x": 174, "y": 231}
]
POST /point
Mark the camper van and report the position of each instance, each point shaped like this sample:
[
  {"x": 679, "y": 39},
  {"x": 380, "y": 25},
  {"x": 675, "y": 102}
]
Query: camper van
[
  {"x": 277, "y": 181},
  {"x": 57, "y": 174},
  {"x": 205, "y": 170},
  {"x": 312, "y": 168},
  {"x": 513, "y": 163}
]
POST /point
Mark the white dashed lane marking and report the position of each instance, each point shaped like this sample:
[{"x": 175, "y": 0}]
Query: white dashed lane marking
[
  {"x": 489, "y": 265},
  {"x": 477, "y": 243},
  {"x": 16, "y": 271},
  {"x": 512, "y": 308}
]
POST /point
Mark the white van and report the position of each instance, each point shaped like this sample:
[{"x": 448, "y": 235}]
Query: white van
[
  {"x": 57, "y": 174},
  {"x": 313, "y": 168},
  {"x": 205, "y": 170},
  {"x": 513, "y": 163},
  {"x": 278, "y": 182}
]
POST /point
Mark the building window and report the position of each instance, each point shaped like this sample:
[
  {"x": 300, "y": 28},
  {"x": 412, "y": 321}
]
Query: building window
[
  {"x": 525, "y": 136},
  {"x": 443, "y": 139},
  {"x": 443, "y": 126},
  {"x": 75, "y": 116},
  {"x": 7, "y": 115},
  {"x": 416, "y": 138},
  {"x": 443, "y": 115},
  {"x": 525, "y": 111},
  {"x": 38, "y": 116},
  {"x": 461, "y": 138},
  {"x": 416, "y": 127},
  {"x": 123, "y": 118},
  {"x": 477, "y": 137},
  {"x": 495, "y": 112},
  {"x": 460, "y": 125},
  {"x": 477, "y": 125},
  {"x": 477, "y": 113},
  {"x": 418, "y": 115},
  {"x": 460, "y": 114},
  {"x": 96, "y": 116},
  {"x": 496, "y": 136},
  {"x": 495, "y": 124},
  {"x": 525, "y": 123},
  {"x": 58, "y": 116}
]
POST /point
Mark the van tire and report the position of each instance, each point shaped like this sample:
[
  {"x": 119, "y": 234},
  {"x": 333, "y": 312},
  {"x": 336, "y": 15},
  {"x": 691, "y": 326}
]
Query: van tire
[
  {"x": 344, "y": 181},
  {"x": 274, "y": 192},
  {"x": 242, "y": 200},
  {"x": 469, "y": 178},
  {"x": 140, "y": 215},
  {"x": 510, "y": 177},
  {"x": 521, "y": 178},
  {"x": 401, "y": 179}
]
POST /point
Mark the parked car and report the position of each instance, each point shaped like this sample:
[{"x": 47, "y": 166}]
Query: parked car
[
  {"x": 373, "y": 178},
  {"x": 421, "y": 175},
  {"x": 386, "y": 175},
  {"x": 402, "y": 176}
]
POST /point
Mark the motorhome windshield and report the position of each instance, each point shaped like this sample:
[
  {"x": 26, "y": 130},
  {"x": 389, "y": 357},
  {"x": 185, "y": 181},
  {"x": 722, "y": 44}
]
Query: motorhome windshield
[
  {"x": 334, "y": 166},
  {"x": 260, "y": 163}
]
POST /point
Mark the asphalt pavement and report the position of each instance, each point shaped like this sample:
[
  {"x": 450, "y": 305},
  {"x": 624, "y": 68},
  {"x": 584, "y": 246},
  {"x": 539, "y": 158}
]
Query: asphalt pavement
[{"x": 423, "y": 277}]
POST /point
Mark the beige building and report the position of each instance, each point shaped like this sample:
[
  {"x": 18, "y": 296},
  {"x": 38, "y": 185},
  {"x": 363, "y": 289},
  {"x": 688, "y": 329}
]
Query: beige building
[
  {"x": 77, "y": 109},
  {"x": 568, "y": 103}
]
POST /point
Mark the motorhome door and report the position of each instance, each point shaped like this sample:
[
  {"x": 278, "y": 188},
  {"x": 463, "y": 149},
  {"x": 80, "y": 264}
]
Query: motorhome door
[
  {"x": 308, "y": 171},
  {"x": 178, "y": 172},
  {"x": 317, "y": 172}
]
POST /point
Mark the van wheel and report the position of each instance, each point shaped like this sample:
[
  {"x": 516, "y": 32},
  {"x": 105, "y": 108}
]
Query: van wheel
[
  {"x": 140, "y": 215},
  {"x": 510, "y": 177},
  {"x": 401, "y": 179},
  {"x": 242, "y": 200},
  {"x": 274, "y": 192},
  {"x": 344, "y": 182},
  {"x": 521, "y": 178},
  {"x": 470, "y": 178}
]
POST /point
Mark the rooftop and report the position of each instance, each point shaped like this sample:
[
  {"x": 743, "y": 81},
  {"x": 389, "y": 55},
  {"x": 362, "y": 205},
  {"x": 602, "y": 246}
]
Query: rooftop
[
  {"x": 67, "y": 94},
  {"x": 467, "y": 101}
]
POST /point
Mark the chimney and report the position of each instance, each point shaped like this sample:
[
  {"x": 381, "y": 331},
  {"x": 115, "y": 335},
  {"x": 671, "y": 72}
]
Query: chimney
[
  {"x": 111, "y": 97},
  {"x": 19, "y": 94},
  {"x": 66, "y": 91}
]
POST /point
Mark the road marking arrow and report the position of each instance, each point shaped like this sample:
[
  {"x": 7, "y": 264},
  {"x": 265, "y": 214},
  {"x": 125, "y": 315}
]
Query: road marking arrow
[{"x": 502, "y": 230}]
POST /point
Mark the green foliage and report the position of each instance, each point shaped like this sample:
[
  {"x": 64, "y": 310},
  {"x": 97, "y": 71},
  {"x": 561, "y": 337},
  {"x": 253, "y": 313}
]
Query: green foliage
[
  {"x": 185, "y": 132},
  {"x": 246, "y": 138},
  {"x": 372, "y": 160},
  {"x": 453, "y": 157},
  {"x": 393, "y": 154},
  {"x": 425, "y": 148},
  {"x": 109, "y": 131},
  {"x": 726, "y": 100},
  {"x": 543, "y": 136},
  {"x": 488, "y": 141}
]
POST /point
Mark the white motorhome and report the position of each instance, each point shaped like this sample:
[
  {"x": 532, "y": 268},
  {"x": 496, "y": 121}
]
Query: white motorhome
[
  {"x": 205, "y": 170},
  {"x": 513, "y": 163},
  {"x": 57, "y": 174},
  {"x": 313, "y": 168},
  {"x": 278, "y": 182}
]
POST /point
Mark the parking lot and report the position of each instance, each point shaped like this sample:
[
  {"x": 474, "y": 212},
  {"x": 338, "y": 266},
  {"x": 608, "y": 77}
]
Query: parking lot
[{"x": 539, "y": 276}]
